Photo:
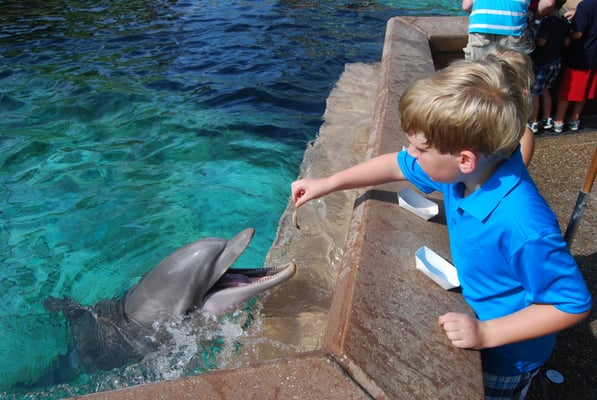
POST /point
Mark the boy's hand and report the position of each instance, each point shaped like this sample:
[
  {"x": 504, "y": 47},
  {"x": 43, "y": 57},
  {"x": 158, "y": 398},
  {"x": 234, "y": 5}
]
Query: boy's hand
[
  {"x": 304, "y": 190},
  {"x": 298, "y": 191},
  {"x": 463, "y": 330}
]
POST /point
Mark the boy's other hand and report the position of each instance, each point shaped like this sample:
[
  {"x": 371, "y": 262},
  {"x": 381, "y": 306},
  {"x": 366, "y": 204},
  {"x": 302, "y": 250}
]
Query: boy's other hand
[{"x": 464, "y": 331}]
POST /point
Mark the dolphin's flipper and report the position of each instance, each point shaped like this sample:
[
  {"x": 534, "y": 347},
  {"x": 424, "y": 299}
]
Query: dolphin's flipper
[{"x": 69, "y": 307}]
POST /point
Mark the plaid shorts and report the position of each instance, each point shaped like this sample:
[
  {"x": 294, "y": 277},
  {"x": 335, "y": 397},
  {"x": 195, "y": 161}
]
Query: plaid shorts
[
  {"x": 545, "y": 78},
  {"x": 507, "y": 387}
]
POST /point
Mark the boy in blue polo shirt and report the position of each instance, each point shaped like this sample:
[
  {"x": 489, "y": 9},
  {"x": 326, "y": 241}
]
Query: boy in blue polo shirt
[{"x": 464, "y": 125}]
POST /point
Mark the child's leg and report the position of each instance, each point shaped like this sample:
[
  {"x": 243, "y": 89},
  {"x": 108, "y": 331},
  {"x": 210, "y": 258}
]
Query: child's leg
[
  {"x": 507, "y": 387},
  {"x": 546, "y": 103},
  {"x": 536, "y": 92},
  {"x": 561, "y": 109},
  {"x": 590, "y": 91},
  {"x": 550, "y": 82},
  {"x": 564, "y": 96},
  {"x": 535, "y": 112},
  {"x": 577, "y": 110},
  {"x": 533, "y": 125}
]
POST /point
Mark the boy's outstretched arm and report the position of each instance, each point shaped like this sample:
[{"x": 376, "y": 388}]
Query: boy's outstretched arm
[
  {"x": 378, "y": 170},
  {"x": 537, "y": 320}
]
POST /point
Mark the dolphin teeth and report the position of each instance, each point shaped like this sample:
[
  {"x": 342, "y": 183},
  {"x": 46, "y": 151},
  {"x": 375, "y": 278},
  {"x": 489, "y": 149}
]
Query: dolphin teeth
[
  {"x": 258, "y": 271},
  {"x": 231, "y": 291}
]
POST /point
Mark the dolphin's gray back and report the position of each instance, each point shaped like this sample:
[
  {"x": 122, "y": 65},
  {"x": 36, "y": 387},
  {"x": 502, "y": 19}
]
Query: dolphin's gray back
[{"x": 104, "y": 338}]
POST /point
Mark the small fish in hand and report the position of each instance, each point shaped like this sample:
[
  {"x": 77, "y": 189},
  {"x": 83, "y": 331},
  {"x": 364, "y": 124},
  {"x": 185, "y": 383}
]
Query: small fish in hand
[
  {"x": 295, "y": 213},
  {"x": 295, "y": 219}
]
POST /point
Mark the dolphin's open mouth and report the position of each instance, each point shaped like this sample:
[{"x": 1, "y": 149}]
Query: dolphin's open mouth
[
  {"x": 243, "y": 276},
  {"x": 237, "y": 286}
]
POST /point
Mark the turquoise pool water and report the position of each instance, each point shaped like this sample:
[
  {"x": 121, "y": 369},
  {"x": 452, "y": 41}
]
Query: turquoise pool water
[{"x": 130, "y": 128}]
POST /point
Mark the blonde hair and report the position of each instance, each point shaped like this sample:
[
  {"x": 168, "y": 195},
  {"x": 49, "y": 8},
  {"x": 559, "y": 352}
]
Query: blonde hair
[
  {"x": 469, "y": 105},
  {"x": 521, "y": 62}
]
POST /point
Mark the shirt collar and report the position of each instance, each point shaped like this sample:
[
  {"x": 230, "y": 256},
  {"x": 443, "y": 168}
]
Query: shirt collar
[{"x": 484, "y": 200}]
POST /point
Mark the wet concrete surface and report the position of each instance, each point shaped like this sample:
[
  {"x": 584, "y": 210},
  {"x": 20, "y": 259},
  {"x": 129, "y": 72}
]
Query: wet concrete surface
[{"x": 371, "y": 332}]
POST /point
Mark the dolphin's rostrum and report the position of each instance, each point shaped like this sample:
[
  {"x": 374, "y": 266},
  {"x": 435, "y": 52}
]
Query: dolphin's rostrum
[{"x": 197, "y": 276}]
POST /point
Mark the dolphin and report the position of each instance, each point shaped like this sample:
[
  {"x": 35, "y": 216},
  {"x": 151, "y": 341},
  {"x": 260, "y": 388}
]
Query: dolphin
[{"x": 196, "y": 277}]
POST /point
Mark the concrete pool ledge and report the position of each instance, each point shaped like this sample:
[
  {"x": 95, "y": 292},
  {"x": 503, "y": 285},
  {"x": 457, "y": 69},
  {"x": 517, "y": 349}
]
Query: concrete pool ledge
[{"x": 379, "y": 336}]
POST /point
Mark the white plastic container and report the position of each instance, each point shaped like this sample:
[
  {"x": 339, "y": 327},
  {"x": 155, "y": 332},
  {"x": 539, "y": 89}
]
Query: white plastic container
[
  {"x": 417, "y": 204},
  {"x": 435, "y": 267}
]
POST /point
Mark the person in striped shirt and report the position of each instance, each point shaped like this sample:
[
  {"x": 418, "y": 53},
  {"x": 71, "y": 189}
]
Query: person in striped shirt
[{"x": 500, "y": 22}]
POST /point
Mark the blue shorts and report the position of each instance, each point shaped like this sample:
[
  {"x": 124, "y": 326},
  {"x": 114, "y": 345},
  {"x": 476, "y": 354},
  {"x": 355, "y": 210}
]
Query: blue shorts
[
  {"x": 545, "y": 78},
  {"x": 507, "y": 387}
]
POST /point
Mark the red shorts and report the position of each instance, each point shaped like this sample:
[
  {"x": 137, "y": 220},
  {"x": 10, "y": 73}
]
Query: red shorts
[{"x": 578, "y": 84}]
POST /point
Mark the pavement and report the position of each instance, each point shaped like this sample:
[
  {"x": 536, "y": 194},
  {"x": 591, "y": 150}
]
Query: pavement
[{"x": 358, "y": 321}]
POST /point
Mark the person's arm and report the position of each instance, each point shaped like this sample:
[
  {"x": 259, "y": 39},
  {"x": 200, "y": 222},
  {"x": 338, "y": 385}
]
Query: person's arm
[
  {"x": 464, "y": 331},
  {"x": 579, "y": 23},
  {"x": 467, "y": 5},
  {"x": 378, "y": 170},
  {"x": 545, "y": 7},
  {"x": 527, "y": 146},
  {"x": 569, "y": 14}
]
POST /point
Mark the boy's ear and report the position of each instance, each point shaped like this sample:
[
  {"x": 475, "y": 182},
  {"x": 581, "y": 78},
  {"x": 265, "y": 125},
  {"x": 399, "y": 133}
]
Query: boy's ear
[{"x": 468, "y": 161}]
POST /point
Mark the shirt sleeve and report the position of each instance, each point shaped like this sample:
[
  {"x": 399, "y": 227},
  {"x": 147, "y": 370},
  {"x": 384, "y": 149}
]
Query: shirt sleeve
[
  {"x": 550, "y": 275},
  {"x": 413, "y": 172},
  {"x": 579, "y": 23}
]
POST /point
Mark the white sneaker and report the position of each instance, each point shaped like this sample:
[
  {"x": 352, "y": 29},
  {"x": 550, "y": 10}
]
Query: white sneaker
[
  {"x": 547, "y": 124},
  {"x": 573, "y": 125},
  {"x": 558, "y": 127},
  {"x": 534, "y": 126}
]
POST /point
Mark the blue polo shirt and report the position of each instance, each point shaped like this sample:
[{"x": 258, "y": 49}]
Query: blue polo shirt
[
  {"x": 509, "y": 252},
  {"x": 499, "y": 17}
]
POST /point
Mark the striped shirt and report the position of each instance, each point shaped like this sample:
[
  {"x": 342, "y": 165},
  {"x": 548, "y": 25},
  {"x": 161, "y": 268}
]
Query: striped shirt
[{"x": 499, "y": 17}]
